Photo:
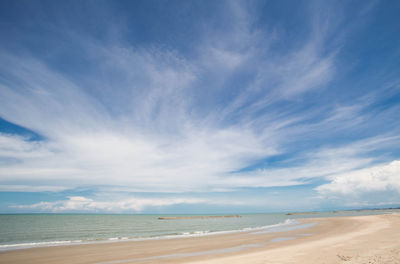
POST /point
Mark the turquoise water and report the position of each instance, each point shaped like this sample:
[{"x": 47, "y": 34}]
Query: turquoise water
[{"x": 32, "y": 230}]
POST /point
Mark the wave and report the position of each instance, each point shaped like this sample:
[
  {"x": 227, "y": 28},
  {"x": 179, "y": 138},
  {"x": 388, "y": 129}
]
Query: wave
[{"x": 39, "y": 244}]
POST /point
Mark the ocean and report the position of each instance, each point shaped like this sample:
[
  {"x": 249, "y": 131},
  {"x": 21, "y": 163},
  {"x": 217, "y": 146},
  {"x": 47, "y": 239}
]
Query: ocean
[{"x": 37, "y": 230}]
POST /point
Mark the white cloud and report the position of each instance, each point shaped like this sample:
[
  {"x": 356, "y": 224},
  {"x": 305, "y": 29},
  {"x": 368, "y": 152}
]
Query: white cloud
[
  {"x": 31, "y": 188},
  {"x": 142, "y": 118},
  {"x": 382, "y": 177},
  {"x": 80, "y": 203},
  {"x": 20, "y": 148},
  {"x": 189, "y": 162},
  {"x": 198, "y": 162}
]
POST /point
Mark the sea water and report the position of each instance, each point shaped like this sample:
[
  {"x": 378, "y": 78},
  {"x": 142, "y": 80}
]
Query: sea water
[{"x": 34, "y": 230}]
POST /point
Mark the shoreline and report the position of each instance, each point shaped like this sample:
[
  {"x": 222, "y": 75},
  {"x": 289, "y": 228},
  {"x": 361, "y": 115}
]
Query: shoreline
[{"x": 288, "y": 246}]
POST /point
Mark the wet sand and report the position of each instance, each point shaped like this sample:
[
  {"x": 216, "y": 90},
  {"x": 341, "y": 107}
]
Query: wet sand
[{"x": 361, "y": 239}]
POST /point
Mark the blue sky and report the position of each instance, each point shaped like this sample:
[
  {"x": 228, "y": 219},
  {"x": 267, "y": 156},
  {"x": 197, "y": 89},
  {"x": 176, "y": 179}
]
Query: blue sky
[{"x": 199, "y": 106}]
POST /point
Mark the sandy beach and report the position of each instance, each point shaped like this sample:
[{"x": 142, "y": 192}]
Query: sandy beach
[{"x": 361, "y": 239}]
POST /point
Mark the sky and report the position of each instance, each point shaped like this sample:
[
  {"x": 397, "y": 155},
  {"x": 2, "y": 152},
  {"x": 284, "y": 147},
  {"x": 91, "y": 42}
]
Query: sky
[{"x": 199, "y": 106}]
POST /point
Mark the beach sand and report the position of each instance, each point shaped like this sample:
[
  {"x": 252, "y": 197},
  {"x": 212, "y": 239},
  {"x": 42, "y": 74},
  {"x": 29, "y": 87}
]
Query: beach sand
[{"x": 361, "y": 239}]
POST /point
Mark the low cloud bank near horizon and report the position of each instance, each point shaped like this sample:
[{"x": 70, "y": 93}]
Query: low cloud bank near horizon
[{"x": 377, "y": 178}]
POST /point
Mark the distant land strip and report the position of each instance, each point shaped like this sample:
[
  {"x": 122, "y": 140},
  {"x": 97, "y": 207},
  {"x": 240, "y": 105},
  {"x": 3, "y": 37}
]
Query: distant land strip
[
  {"x": 344, "y": 211},
  {"x": 302, "y": 213},
  {"x": 197, "y": 217}
]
